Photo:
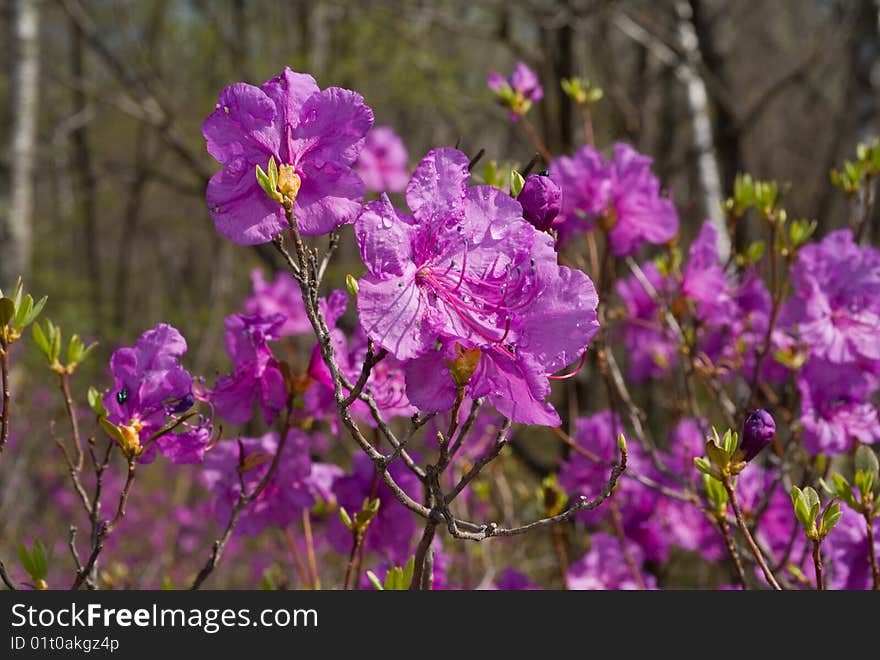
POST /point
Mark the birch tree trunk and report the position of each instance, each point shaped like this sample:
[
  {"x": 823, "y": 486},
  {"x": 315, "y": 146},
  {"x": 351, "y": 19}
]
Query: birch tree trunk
[
  {"x": 688, "y": 71},
  {"x": 16, "y": 211}
]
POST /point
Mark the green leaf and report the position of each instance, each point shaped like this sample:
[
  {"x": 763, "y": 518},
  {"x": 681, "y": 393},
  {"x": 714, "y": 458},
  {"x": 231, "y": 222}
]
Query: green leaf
[
  {"x": 55, "y": 338},
  {"x": 703, "y": 465},
  {"x": 7, "y": 310},
  {"x": 408, "y": 571},
  {"x": 40, "y": 340},
  {"x": 716, "y": 493},
  {"x": 843, "y": 489},
  {"x": 866, "y": 461},
  {"x": 864, "y": 482},
  {"x": 35, "y": 312},
  {"x": 375, "y": 581},
  {"x": 96, "y": 402},
  {"x": 25, "y": 558},
  {"x": 351, "y": 284},
  {"x": 87, "y": 351},
  {"x": 830, "y": 516},
  {"x": 516, "y": 183},
  {"x": 730, "y": 442},
  {"x": 74, "y": 350},
  {"x": 345, "y": 518},
  {"x": 755, "y": 251},
  {"x": 801, "y": 507},
  {"x": 23, "y": 311},
  {"x": 717, "y": 455},
  {"x": 273, "y": 173},
  {"x": 17, "y": 291},
  {"x": 40, "y": 560},
  {"x": 113, "y": 431}
]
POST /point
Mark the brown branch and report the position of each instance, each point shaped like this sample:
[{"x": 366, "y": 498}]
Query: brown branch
[
  {"x": 4, "y": 576},
  {"x": 872, "y": 552},
  {"x": 817, "y": 562},
  {"x": 243, "y": 500},
  {"x": 4, "y": 376},
  {"x": 747, "y": 535}
]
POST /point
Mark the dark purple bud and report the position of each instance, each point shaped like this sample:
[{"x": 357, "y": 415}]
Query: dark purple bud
[
  {"x": 541, "y": 201},
  {"x": 758, "y": 430},
  {"x": 184, "y": 404}
]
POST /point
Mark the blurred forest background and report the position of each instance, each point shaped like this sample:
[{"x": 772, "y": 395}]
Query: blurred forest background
[{"x": 103, "y": 167}]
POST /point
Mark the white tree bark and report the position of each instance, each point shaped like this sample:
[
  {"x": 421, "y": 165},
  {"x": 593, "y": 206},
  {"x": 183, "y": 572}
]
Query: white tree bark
[
  {"x": 16, "y": 216},
  {"x": 688, "y": 71}
]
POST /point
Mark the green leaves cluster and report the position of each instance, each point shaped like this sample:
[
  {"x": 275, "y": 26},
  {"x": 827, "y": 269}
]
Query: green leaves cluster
[
  {"x": 17, "y": 311},
  {"x": 721, "y": 456},
  {"x": 495, "y": 175},
  {"x": 581, "y": 91},
  {"x": 806, "y": 509},
  {"x": 866, "y": 480},
  {"x": 396, "y": 579},
  {"x": 855, "y": 174},
  {"x": 49, "y": 341},
  {"x": 749, "y": 193},
  {"x": 358, "y": 523},
  {"x": 269, "y": 181}
]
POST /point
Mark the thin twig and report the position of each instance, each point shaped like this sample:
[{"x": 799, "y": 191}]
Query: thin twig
[
  {"x": 817, "y": 562},
  {"x": 5, "y": 577},
  {"x": 4, "y": 376},
  {"x": 872, "y": 552},
  {"x": 744, "y": 530}
]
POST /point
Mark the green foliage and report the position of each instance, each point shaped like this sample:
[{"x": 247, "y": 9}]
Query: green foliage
[
  {"x": 856, "y": 174},
  {"x": 581, "y": 91},
  {"x": 48, "y": 341},
  {"x": 358, "y": 523},
  {"x": 35, "y": 562},
  {"x": 17, "y": 311},
  {"x": 396, "y": 579},
  {"x": 516, "y": 183}
]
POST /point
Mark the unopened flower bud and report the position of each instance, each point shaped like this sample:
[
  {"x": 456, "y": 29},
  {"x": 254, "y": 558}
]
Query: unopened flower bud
[
  {"x": 541, "y": 200},
  {"x": 758, "y": 430}
]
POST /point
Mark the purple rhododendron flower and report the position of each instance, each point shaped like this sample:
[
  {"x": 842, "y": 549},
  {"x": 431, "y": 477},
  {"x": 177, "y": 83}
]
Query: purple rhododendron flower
[
  {"x": 541, "y": 201},
  {"x": 622, "y": 194},
  {"x": 837, "y": 300},
  {"x": 511, "y": 579},
  {"x": 318, "y": 133},
  {"x": 256, "y": 376},
  {"x": 281, "y": 296},
  {"x": 384, "y": 162},
  {"x": 467, "y": 270},
  {"x": 836, "y": 407},
  {"x": 150, "y": 388},
  {"x": 392, "y": 528},
  {"x": 287, "y": 494},
  {"x": 703, "y": 279},
  {"x": 519, "y": 91},
  {"x": 604, "y": 567},
  {"x": 652, "y": 346}
]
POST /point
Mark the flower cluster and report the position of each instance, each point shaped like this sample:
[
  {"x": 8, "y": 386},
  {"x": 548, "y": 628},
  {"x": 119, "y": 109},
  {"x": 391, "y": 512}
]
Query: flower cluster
[
  {"x": 518, "y": 92},
  {"x": 466, "y": 275},
  {"x": 620, "y": 196},
  {"x": 151, "y": 393},
  {"x": 314, "y": 136}
]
